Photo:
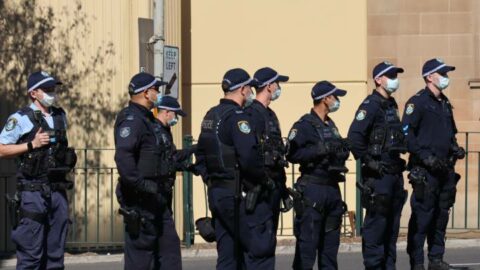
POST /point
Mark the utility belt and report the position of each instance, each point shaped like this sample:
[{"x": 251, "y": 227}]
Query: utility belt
[
  {"x": 300, "y": 202},
  {"x": 310, "y": 179},
  {"x": 394, "y": 168},
  {"x": 221, "y": 183},
  {"x": 45, "y": 187}
]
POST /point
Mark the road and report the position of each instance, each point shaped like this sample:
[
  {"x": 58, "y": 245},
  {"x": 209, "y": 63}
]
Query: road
[{"x": 461, "y": 256}]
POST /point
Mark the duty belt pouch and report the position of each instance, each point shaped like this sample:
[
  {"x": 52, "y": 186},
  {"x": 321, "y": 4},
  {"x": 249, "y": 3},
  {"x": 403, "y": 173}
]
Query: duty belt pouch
[
  {"x": 13, "y": 209},
  {"x": 132, "y": 220},
  {"x": 34, "y": 164},
  {"x": 252, "y": 198}
]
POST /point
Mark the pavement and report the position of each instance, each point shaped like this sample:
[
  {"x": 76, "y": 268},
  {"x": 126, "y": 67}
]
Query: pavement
[{"x": 463, "y": 252}]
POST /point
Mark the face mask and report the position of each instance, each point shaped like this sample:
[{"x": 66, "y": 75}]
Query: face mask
[
  {"x": 158, "y": 99},
  {"x": 443, "y": 83},
  {"x": 392, "y": 85},
  {"x": 250, "y": 100},
  {"x": 276, "y": 94},
  {"x": 335, "y": 106},
  {"x": 47, "y": 99},
  {"x": 173, "y": 122}
]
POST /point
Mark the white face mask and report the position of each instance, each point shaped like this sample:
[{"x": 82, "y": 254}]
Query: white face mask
[
  {"x": 250, "y": 100},
  {"x": 276, "y": 94},
  {"x": 48, "y": 99},
  {"x": 173, "y": 121},
  {"x": 392, "y": 85},
  {"x": 335, "y": 106},
  {"x": 443, "y": 83}
]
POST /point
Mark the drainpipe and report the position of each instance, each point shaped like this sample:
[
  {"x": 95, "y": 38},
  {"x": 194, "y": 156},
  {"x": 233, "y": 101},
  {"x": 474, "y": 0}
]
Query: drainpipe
[{"x": 158, "y": 37}]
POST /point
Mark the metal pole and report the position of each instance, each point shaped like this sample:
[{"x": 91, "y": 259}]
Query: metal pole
[
  {"x": 466, "y": 179},
  {"x": 358, "y": 204},
  {"x": 186, "y": 199},
  {"x": 159, "y": 37}
]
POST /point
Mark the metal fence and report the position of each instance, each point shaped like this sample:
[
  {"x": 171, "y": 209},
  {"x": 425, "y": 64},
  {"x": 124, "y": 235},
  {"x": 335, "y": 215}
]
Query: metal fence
[{"x": 96, "y": 225}]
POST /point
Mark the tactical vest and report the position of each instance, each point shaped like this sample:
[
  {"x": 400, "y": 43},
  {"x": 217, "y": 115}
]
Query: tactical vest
[
  {"x": 51, "y": 161},
  {"x": 220, "y": 159},
  {"x": 155, "y": 161},
  {"x": 338, "y": 149},
  {"x": 271, "y": 140},
  {"x": 387, "y": 136}
]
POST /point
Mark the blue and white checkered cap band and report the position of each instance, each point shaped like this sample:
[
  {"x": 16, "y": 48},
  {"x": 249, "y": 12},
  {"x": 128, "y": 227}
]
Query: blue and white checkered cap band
[
  {"x": 40, "y": 83},
  {"x": 326, "y": 94},
  {"x": 146, "y": 86},
  {"x": 433, "y": 70},
  {"x": 384, "y": 71},
  {"x": 269, "y": 81},
  {"x": 238, "y": 85},
  {"x": 168, "y": 108}
]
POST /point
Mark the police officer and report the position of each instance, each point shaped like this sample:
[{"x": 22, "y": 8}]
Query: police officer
[
  {"x": 228, "y": 149},
  {"x": 315, "y": 143},
  {"x": 36, "y": 135},
  {"x": 151, "y": 241},
  {"x": 377, "y": 139},
  {"x": 267, "y": 128},
  {"x": 167, "y": 113},
  {"x": 430, "y": 131}
]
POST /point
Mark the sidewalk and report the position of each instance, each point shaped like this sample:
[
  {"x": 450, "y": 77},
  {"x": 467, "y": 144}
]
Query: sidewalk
[{"x": 208, "y": 251}]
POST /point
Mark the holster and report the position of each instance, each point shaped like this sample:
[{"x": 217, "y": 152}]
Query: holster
[
  {"x": 133, "y": 221},
  {"x": 13, "y": 209},
  {"x": 417, "y": 177},
  {"x": 251, "y": 198}
]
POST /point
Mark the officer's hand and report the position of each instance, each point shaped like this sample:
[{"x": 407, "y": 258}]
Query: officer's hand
[
  {"x": 375, "y": 166},
  {"x": 287, "y": 204},
  {"x": 433, "y": 163},
  {"x": 41, "y": 139},
  {"x": 459, "y": 152},
  {"x": 322, "y": 149}
]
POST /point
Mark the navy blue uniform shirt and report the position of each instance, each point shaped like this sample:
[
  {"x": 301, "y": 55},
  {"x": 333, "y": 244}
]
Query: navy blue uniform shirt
[
  {"x": 134, "y": 132},
  {"x": 428, "y": 125},
  {"x": 375, "y": 111}
]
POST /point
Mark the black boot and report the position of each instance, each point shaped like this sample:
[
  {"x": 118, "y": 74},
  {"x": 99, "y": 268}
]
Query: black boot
[
  {"x": 439, "y": 264},
  {"x": 418, "y": 267}
]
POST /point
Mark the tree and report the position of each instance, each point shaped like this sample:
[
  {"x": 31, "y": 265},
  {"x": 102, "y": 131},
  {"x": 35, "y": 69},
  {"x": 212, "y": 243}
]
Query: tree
[{"x": 33, "y": 38}]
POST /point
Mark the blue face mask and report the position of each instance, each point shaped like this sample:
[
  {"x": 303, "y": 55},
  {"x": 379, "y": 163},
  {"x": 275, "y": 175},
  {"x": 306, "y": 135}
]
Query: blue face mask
[
  {"x": 276, "y": 94},
  {"x": 158, "y": 100},
  {"x": 443, "y": 83},
  {"x": 173, "y": 122}
]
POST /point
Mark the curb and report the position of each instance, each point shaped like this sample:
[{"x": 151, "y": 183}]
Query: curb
[{"x": 210, "y": 253}]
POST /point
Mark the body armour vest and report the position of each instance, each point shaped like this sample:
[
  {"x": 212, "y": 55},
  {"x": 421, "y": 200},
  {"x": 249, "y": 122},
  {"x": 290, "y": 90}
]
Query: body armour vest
[{"x": 220, "y": 159}]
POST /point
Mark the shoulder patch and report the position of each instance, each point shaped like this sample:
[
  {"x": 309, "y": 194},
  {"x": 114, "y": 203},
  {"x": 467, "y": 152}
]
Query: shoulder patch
[
  {"x": 410, "y": 108},
  {"x": 292, "y": 134},
  {"x": 11, "y": 124},
  {"x": 366, "y": 101},
  {"x": 124, "y": 132},
  {"x": 244, "y": 127},
  {"x": 361, "y": 115}
]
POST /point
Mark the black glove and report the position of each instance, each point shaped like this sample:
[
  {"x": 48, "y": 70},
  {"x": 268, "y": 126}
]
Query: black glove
[
  {"x": 458, "y": 152},
  {"x": 184, "y": 154},
  {"x": 148, "y": 186},
  {"x": 322, "y": 149},
  {"x": 287, "y": 204},
  {"x": 435, "y": 164},
  {"x": 374, "y": 165}
]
